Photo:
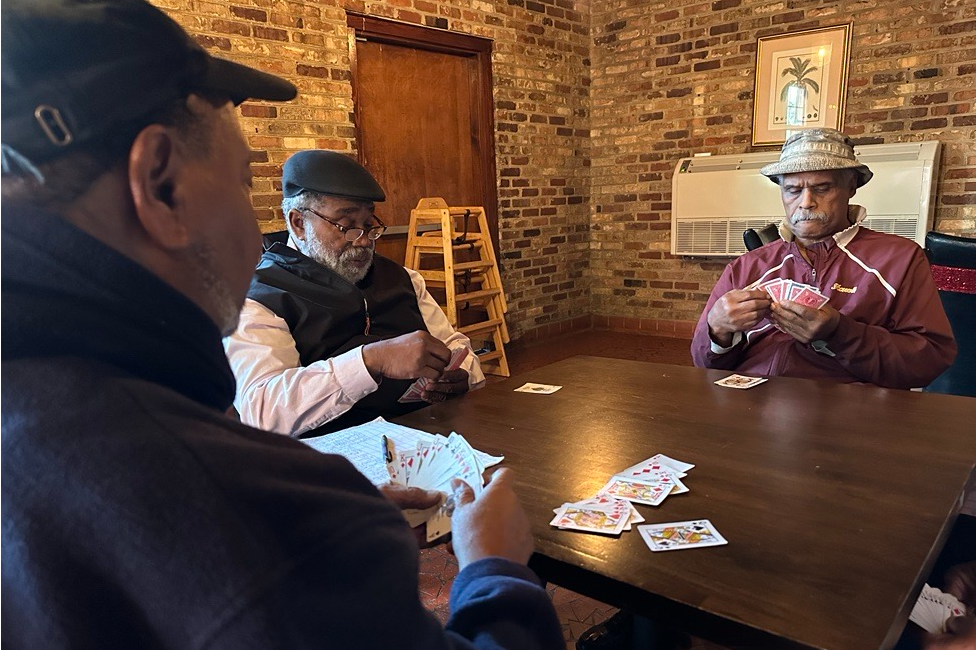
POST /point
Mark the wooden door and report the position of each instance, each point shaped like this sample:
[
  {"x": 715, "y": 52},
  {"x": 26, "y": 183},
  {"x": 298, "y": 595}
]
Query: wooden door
[{"x": 424, "y": 120}]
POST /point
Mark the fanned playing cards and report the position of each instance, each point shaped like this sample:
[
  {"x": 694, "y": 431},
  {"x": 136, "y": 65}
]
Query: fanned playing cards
[
  {"x": 933, "y": 608},
  {"x": 458, "y": 355},
  {"x": 432, "y": 466},
  {"x": 781, "y": 289}
]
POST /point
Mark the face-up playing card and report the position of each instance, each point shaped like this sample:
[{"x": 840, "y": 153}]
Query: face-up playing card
[
  {"x": 651, "y": 494},
  {"x": 541, "y": 389},
  {"x": 605, "y": 519},
  {"x": 933, "y": 608},
  {"x": 740, "y": 381},
  {"x": 681, "y": 535}
]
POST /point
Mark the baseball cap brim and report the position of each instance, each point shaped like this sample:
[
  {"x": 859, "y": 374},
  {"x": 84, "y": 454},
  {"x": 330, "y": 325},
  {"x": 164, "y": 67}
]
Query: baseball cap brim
[{"x": 239, "y": 82}]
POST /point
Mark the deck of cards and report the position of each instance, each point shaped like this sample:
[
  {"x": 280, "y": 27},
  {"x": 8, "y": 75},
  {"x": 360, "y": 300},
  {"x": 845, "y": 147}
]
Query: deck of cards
[
  {"x": 804, "y": 294},
  {"x": 432, "y": 466},
  {"x": 933, "y": 608},
  {"x": 458, "y": 355}
]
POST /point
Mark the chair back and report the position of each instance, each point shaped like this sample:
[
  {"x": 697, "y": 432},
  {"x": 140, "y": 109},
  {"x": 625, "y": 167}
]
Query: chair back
[
  {"x": 953, "y": 262},
  {"x": 753, "y": 238}
]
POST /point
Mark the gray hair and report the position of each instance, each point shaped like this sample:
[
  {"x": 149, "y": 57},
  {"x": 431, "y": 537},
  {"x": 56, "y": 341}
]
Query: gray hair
[{"x": 304, "y": 199}]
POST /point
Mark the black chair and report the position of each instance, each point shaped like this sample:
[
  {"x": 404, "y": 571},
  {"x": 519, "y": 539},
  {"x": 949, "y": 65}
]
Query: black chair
[
  {"x": 755, "y": 238},
  {"x": 271, "y": 238},
  {"x": 953, "y": 262}
]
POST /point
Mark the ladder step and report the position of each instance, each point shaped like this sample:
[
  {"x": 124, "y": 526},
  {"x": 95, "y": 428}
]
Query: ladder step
[
  {"x": 476, "y": 295},
  {"x": 481, "y": 327},
  {"x": 494, "y": 354},
  {"x": 470, "y": 266}
]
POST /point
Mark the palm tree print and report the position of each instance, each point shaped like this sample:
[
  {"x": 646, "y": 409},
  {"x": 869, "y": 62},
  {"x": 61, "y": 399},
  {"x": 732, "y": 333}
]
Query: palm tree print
[{"x": 795, "y": 92}]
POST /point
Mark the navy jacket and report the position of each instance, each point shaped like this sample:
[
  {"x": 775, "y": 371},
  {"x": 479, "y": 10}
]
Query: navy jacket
[{"x": 137, "y": 515}]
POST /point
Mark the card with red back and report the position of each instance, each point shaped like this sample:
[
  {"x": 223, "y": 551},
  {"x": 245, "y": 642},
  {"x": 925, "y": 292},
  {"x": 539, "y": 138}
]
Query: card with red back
[{"x": 810, "y": 298}]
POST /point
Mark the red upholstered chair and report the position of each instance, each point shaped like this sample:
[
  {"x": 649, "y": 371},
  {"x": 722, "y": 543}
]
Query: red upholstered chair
[{"x": 953, "y": 262}]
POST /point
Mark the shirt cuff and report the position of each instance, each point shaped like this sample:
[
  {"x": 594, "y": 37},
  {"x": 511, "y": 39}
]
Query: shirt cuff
[
  {"x": 352, "y": 375},
  {"x": 718, "y": 349}
]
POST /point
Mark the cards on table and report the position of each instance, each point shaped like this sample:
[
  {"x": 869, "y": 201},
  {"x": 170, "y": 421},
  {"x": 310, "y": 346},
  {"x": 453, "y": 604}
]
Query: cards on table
[
  {"x": 781, "y": 289},
  {"x": 611, "y": 510},
  {"x": 541, "y": 389},
  {"x": 740, "y": 381},
  {"x": 933, "y": 608},
  {"x": 681, "y": 535},
  {"x": 458, "y": 355},
  {"x": 601, "y": 514},
  {"x": 432, "y": 466}
]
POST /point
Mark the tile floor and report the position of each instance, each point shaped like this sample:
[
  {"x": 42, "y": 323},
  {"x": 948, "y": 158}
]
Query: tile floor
[{"x": 577, "y": 613}]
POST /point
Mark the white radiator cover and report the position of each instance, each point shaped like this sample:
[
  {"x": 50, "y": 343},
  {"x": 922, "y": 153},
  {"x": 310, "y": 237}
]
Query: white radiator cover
[{"x": 715, "y": 198}]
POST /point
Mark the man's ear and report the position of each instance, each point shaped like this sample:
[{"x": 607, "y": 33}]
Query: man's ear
[
  {"x": 155, "y": 164},
  {"x": 296, "y": 224}
]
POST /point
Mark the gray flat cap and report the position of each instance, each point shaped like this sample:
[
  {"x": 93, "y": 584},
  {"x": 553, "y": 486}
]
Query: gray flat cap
[
  {"x": 328, "y": 172},
  {"x": 815, "y": 150}
]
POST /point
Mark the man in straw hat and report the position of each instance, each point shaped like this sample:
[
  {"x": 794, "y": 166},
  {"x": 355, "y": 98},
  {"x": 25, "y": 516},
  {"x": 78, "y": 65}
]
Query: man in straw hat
[
  {"x": 831, "y": 299},
  {"x": 136, "y": 514}
]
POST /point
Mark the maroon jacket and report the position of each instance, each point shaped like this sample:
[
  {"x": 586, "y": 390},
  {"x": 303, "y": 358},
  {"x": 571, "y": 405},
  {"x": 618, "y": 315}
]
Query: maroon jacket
[{"x": 893, "y": 331}]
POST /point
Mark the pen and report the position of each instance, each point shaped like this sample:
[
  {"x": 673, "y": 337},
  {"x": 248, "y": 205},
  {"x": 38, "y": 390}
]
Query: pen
[{"x": 387, "y": 449}]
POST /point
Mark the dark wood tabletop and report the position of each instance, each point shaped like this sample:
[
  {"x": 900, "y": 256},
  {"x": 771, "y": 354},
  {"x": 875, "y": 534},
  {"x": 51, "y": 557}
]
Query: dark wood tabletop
[{"x": 835, "y": 499}]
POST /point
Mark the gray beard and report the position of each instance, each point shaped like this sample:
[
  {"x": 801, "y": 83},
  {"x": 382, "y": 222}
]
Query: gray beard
[
  {"x": 227, "y": 309},
  {"x": 340, "y": 263}
]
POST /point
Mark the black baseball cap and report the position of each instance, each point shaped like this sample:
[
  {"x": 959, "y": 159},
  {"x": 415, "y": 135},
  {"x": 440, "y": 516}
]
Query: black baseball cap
[
  {"x": 74, "y": 71},
  {"x": 328, "y": 172}
]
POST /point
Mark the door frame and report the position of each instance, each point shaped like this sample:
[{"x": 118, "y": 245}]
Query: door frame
[{"x": 383, "y": 30}]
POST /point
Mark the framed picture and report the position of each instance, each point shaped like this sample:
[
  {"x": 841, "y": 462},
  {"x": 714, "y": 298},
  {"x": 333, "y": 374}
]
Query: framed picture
[{"x": 801, "y": 82}]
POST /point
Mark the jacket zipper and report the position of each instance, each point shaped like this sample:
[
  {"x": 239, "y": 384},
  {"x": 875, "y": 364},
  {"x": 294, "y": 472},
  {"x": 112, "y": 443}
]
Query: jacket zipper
[{"x": 366, "y": 306}]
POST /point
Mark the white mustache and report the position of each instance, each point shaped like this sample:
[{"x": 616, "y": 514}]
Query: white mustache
[{"x": 805, "y": 215}]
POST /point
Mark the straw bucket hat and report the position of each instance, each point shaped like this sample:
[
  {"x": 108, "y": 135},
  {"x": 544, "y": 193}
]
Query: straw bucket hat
[{"x": 815, "y": 150}]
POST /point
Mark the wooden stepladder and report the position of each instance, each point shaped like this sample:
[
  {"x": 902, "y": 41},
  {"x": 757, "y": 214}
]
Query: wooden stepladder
[{"x": 451, "y": 248}]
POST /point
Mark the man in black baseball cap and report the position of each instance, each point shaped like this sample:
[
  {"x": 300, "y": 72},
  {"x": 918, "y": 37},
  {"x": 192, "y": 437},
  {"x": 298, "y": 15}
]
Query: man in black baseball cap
[
  {"x": 332, "y": 334},
  {"x": 136, "y": 514}
]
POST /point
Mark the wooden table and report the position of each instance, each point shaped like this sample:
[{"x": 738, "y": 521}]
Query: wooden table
[{"x": 835, "y": 499}]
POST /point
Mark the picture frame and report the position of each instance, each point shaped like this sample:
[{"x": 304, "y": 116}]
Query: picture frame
[{"x": 801, "y": 82}]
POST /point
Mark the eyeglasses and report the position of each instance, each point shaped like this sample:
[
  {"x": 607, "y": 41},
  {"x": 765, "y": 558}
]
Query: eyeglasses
[{"x": 352, "y": 234}]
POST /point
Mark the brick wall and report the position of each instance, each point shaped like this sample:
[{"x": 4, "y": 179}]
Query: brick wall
[
  {"x": 674, "y": 78},
  {"x": 540, "y": 66},
  {"x": 584, "y": 169}
]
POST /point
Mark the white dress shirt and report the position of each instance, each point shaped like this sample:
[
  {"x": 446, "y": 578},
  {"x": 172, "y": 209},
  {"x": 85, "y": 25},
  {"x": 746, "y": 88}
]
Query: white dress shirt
[{"x": 276, "y": 393}]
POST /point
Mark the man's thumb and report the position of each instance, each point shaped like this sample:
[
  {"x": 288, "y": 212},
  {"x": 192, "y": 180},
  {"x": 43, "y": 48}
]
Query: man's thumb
[{"x": 463, "y": 494}]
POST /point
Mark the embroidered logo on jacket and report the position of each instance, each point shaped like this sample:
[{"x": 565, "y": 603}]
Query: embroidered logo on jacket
[{"x": 837, "y": 287}]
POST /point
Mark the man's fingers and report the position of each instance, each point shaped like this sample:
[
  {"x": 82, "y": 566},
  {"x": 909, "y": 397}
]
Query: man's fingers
[
  {"x": 410, "y": 497},
  {"x": 463, "y": 494}
]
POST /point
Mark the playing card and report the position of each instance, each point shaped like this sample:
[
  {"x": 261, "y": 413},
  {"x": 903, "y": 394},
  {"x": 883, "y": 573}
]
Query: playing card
[
  {"x": 651, "y": 494},
  {"x": 657, "y": 463},
  {"x": 810, "y": 297},
  {"x": 542, "y": 389},
  {"x": 458, "y": 355},
  {"x": 774, "y": 288},
  {"x": 607, "y": 519},
  {"x": 740, "y": 381},
  {"x": 933, "y": 608},
  {"x": 681, "y": 535}
]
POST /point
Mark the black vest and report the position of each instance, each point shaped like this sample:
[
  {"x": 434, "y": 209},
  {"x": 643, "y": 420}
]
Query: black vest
[{"x": 327, "y": 315}]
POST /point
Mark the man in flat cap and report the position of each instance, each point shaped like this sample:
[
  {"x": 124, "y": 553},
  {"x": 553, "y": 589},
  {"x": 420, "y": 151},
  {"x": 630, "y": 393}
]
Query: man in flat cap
[
  {"x": 883, "y": 322},
  {"x": 332, "y": 335},
  {"x": 136, "y": 513}
]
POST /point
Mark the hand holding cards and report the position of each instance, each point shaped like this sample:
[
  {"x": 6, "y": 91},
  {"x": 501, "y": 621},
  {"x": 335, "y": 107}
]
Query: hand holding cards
[
  {"x": 458, "y": 355},
  {"x": 804, "y": 294},
  {"x": 432, "y": 466}
]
